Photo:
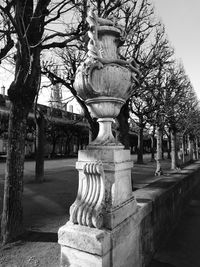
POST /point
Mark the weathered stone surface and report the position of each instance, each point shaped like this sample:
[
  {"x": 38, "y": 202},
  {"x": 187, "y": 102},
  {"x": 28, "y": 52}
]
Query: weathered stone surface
[
  {"x": 117, "y": 168},
  {"x": 105, "y": 155},
  {"x": 104, "y": 80},
  {"x": 106, "y": 186},
  {"x": 85, "y": 238},
  {"x": 104, "y": 73},
  {"x": 71, "y": 257},
  {"x": 103, "y": 247},
  {"x": 117, "y": 215},
  {"x": 89, "y": 205},
  {"x": 84, "y": 246}
]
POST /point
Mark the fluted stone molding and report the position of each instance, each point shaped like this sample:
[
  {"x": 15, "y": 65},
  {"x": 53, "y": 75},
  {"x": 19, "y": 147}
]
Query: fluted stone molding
[{"x": 88, "y": 207}]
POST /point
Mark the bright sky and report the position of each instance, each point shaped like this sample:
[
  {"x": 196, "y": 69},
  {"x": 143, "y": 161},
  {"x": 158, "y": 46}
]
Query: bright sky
[{"x": 182, "y": 21}]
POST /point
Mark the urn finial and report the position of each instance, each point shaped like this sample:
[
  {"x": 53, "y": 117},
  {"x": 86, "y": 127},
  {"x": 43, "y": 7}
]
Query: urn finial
[{"x": 105, "y": 80}]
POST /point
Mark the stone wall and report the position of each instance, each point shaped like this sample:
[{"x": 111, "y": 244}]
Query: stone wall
[{"x": 165, "y": 201}]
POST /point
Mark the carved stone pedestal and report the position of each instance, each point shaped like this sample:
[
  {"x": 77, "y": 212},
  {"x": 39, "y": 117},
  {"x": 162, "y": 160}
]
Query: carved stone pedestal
[
  {"x": 101, "y": 218},
  {"x": 102, "y": 230}
]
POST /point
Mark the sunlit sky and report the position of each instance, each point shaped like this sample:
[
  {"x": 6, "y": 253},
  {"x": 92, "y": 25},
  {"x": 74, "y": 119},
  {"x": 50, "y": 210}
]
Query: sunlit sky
[{"x": 182, "y": 21}]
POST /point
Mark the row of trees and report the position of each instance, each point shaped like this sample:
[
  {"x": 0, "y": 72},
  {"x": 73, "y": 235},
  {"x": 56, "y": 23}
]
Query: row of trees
[
  {"x": 169, "y": 109},
  {"x": 163, "y": 100}
]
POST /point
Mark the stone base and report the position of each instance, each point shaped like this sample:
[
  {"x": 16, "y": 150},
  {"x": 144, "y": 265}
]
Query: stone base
[
  {"x": 83, "y": 246},
  {"x": 76, "y": 258}
]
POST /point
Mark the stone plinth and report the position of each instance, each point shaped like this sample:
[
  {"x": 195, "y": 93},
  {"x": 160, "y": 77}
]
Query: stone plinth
[
  {"x": 119, "y": 202},
  {"x": 83, "y": 246},
  {"x": 105, "y": 200},
  {"x": 117, "y": 168}
]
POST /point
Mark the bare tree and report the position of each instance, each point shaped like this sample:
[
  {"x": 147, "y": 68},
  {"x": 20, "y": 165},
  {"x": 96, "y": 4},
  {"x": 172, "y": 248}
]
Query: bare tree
[
  {"x": 188, "y": 122},
  {"x": 6, "y": 41},
  {"x": 147, "y": 104},
  {"x": 140, "y": 108},
  {"x": 174, "y": 103},
  {"x": 28, "y": 22}
]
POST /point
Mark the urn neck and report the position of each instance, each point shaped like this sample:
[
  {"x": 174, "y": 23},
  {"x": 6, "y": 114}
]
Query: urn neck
[{"x": 105, "y": 135}]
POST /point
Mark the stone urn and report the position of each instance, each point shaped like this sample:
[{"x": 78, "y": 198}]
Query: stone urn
[{"x": 104, "y": 80}]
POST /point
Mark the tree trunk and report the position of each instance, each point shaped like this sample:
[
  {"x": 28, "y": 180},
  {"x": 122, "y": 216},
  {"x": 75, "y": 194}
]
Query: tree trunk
[
  {"x": 197, "y": 148},
  {"x": 153, "y": 144},
  {"x": 12, "y": 215},
  {"x": 124, "y": 126},
  {"x": 53, "y": 152},
  {"x": 169, "y": 146},
  {"x": 174, "y": 156},
  {"x": 186, "y": 145},
  {"x": 183, "y": 148},
  {"x": 163, "y": 157},
  {"x": 152, "y": 148},
  {"x": 29, "y": 27},
  {"x": 40, "y": 145},
  {"x": 190, "y": 148},
  {"x": 67, "y": 144},
  {"x": 140, "y": 146},
  {"x": 159, "y": 171}
]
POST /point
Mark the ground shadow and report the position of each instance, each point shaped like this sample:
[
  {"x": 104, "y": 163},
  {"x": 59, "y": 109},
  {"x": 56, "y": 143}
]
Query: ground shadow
[
  {"x": 37, "y": 236},
  {"x": 156, "y": 263}
]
